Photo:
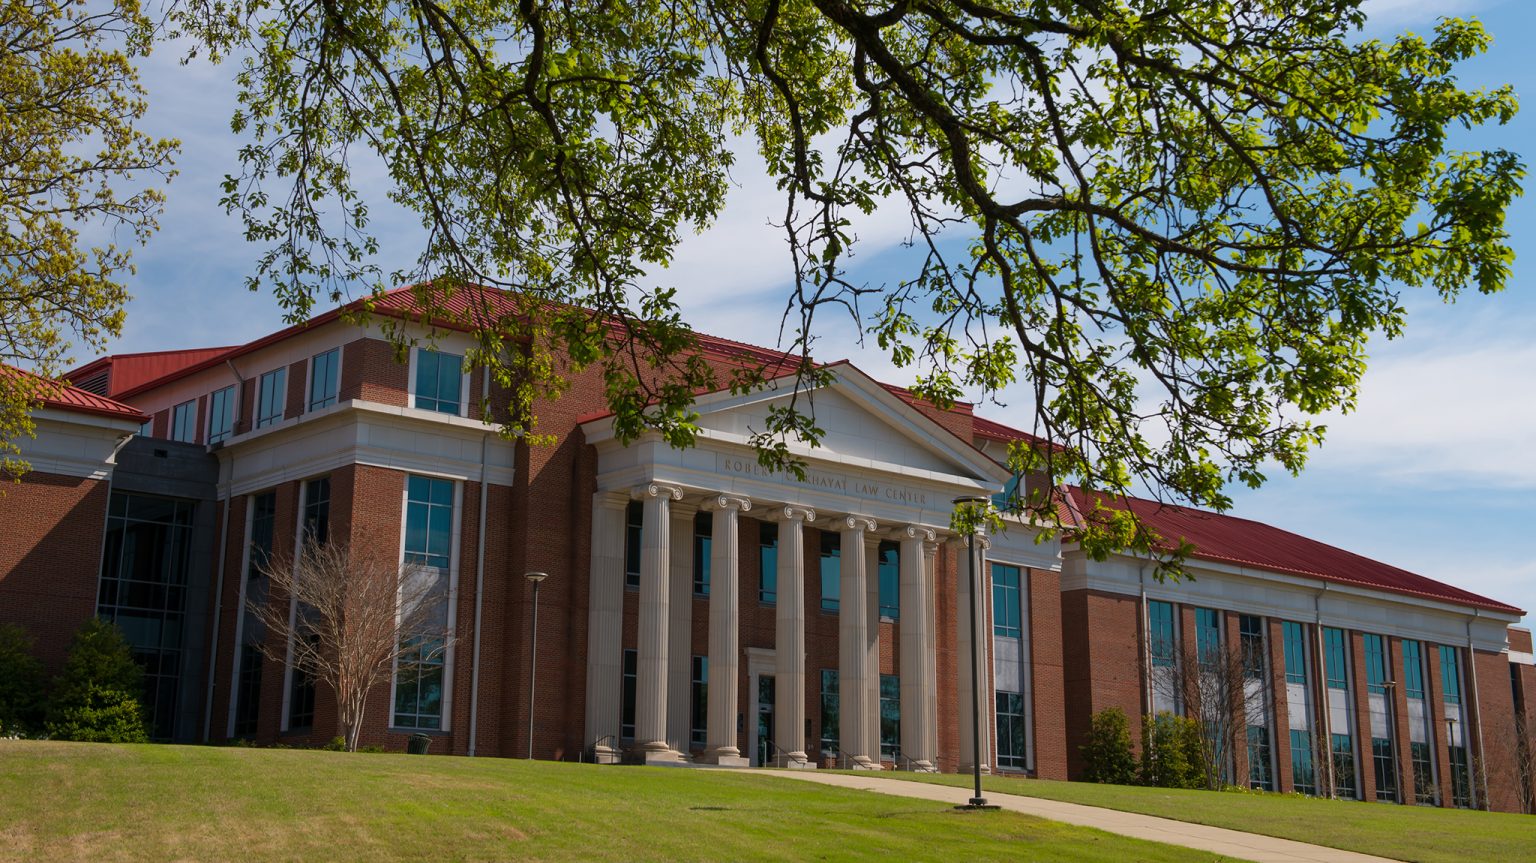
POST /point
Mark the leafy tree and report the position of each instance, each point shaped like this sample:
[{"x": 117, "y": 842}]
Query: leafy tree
[
  {"x": 1107, "y": 753},
  {"x": 1176, "y": 221},
  {"x": 1171, "y": 752},
  {"x": 75, "y": 174},
  {"x": 22, "y": 682},
  {"x": 96, "y": 696}
]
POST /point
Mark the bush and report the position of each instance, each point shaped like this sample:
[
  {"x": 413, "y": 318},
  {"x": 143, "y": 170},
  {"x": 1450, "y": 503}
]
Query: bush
[
  {"x": 1107, "y": 754},
  {"x": 96, "y": 697},
  {"x": 100, "y": 716},
  {"x": 22, "y": 683},
  {"x": 1170, "y": 752}
]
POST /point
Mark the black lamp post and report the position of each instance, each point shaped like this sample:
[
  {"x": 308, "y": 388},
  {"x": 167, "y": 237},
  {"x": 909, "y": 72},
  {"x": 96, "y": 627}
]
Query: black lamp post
[
  {"x": 967, "y": 521},
  {"x": 533, "y": 646}
]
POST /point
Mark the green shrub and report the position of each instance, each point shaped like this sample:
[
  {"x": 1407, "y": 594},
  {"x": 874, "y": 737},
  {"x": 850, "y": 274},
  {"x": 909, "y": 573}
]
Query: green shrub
[
  {"x": 22, "y": 683},
  {"x": 1170, "y": 752},
  {"x": 337, "y": 744},
  {"x": 96, "y": 696},
  {"x": 1107, "y": 754},
  {"x": 100, "y": 715}
]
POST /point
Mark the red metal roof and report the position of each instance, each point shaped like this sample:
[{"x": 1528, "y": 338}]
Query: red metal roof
[
  {"x": 993, "y": 430},
  {"x": 1241, "y": 541},
  {"x": 129, "y": 371},
  {"x": 60, "y": 395}
]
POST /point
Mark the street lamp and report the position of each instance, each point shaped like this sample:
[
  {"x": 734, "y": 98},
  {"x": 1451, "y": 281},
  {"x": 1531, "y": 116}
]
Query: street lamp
[
  {"x": 533, "y": 646},
  {"x": 970, "y": 504}
]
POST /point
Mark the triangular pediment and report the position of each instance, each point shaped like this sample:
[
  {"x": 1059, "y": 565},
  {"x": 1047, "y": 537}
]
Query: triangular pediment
[{"x": 862, "y": 421}]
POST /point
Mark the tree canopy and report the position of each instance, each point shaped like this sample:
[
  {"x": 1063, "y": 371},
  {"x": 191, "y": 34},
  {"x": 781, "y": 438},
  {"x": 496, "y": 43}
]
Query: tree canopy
[
  {"x": 1177, "y": 221},
  {"x": 79, "y": 187}
]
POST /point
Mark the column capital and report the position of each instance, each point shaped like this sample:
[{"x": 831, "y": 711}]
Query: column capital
[
  {"x": 727, "y": 502},
  {"x": 913, "y": 531},
  {"x": 657, "y": 489},
  {"x": 611, "y": 499},
  {"x": 859, "y": 523},
  {"x": 792, "y": 512}
]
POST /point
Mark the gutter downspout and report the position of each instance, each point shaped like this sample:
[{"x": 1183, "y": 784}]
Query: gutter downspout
[
  {"x": 474, "y": 671},
  {"x": 1322, "y": 686},
  {"x": 1482, "y": 758},
  {"x": 218, "y": 586}
]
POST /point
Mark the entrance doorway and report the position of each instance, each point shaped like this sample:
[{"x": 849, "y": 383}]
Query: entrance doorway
[{"x": 763, "y": 755}]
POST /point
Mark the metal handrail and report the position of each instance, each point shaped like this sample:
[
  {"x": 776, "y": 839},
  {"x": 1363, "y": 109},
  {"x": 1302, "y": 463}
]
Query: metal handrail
[{"x": 612, "y": 740}]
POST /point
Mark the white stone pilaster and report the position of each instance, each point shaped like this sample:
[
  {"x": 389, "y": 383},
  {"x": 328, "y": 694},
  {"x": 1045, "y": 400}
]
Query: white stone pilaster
[
  {"x": 655, "y": 620},
  {"x": 724, "y": 625},
  {"x": 853, "y": 638},
  {"x": 605, "y": 604},
  {"x": 973, "y": 636},
  {"x": 789, "y": 638},
  {"x": 915, "y": 659},
  {"x": 872, "y": 645},
  {"x": 680, "y": 629}
]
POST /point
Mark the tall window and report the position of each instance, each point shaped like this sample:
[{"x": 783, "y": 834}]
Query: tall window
[
  {"x": 263, "y": 527},
  {"x": 698, "y": 733},
  {"x": 1461, "y": 784},
  {"x": 420, "y": 673},
  {"x": 317, "y": 510},
  {"x": 1423, "y": 773},
  {"x": 627, "y": 696},
  {"x": 1006, "y": 607},
  {"x": 889, "y": 573},
  {"x": 1386, "y": 774},
  {"x": 634, "y": 524},
  {"x": 703, "y": 546},
  {"x": 322, "y": 379},
  {"x": 184, "y": 422},
  {"x": 1344, "y": 766},
  {"x": 1250, "y": 633},
  {"x": 829, "y": 711},
  {"x": 146, "y": 555},
  {"x": 301, "y": 695},
  {"x": 1376, "y": 670},
  {"x": 1413, "y": 669},
  {"x": 768, "y": 562},
  {"x": 439, "y": 378},
  {"x": 1207, "y": 636},
  {"x": 258, "y": 552},
  {"x": 221, "y": 414},
  {"x": 1295, "y": 652},
  {"x": 1010, "y": 731},
  {"x": 1450, "y": 675},
  {"x": 1335, "y": 663},
  {"x": 1160, "y": 631},
  {"x": 270, "y": 395},
  {"x": 890, "y": 715},
  {"x": 830, "y": 570},
  {"x": 1303, "y": 773},
  {"x": 248, "y": 691},
  {"x": 1260, "y": 774}
]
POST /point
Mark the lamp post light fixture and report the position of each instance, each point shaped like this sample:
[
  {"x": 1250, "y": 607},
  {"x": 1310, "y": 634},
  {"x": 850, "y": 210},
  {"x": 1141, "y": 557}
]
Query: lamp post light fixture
[
  {"x": 533, "y": 647},
  {"x": 969, "y": 505}
]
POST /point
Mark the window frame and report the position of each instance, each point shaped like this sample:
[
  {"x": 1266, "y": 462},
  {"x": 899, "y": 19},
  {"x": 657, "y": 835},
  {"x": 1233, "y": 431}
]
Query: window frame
[
  {"x": 1007, "y": 604},
  {"x": 438, "y": 403},
  {"x": 768, "y": 563},
  {"x": 311, "y": 402},
  {"x": 832, "y": 603},
  {"x": 447, "y": 570},
  {"x": 279, "y": 397},
  {"x": 230, "y": 404},
  {"x": 184, "y": 422}
]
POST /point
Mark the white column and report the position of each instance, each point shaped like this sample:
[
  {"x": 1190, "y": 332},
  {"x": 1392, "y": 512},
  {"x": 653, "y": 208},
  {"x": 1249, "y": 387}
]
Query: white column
[
  {"x": 655, "y": 607},
  {"x": 789, "y": 638},
  {"x": 931, "y": 649},
  {"x": 914, "y": 647},
  {"x": 680, "y": 630},
  {"x": 967, "y": 643},
  {"x": 724, "y": 624},
  {"x": 872, "y": 646},
  {"x": 605, "y": 607},
  {"x": 853, "y": 637}
]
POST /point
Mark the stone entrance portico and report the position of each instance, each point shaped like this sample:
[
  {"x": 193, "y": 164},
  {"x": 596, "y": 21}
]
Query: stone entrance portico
[{"x": 884, "y": 472}]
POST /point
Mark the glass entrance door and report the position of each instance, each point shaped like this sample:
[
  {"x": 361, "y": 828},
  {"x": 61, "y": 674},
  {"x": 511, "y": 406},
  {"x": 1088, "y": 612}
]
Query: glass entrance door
[{"x": 764, "y": 756}]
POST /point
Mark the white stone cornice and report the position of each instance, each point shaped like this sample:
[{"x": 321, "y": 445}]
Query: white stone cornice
[
  {"x": 656, "y": 489},
  {"x": 860, "y": 522},
  {"x": 792, "y": 512},
  {"x": 728, "y": 501}
]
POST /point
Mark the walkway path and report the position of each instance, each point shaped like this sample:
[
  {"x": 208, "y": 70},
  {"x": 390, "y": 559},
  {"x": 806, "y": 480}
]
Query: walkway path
[{"x": 1231, "y": 843}]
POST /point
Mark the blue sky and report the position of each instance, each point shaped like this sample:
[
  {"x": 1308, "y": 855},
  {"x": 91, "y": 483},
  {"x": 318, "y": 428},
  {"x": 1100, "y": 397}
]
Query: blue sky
[{"x": 1435, "y": 472}]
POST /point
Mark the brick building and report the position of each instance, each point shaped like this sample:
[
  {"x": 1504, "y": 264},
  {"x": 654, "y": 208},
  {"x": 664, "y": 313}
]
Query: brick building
[{"x": 698, "y": 608}]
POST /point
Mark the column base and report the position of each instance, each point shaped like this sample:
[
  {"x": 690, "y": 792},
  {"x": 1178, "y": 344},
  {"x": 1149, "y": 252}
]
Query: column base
[
  {"x": 863, "y": 762},
  {"x": 795, "y": 761},
  {"x": 606, "y": 755},
  {"x": 921, "y": 767},
  {"x": 660, "y": 758},
  {"x": 731, "y": 757},
  {"x": 986, "y": 769}
]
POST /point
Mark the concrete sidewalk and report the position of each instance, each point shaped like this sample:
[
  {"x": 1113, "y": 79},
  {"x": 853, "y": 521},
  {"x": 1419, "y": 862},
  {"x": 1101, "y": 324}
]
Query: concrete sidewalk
[{"x": 1231, "y": 843}]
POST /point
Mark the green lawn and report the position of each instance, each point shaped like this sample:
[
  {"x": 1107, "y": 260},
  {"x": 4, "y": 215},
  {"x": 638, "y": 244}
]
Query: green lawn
[
  {"x": 74, "y": 801},
  {"x": 1414, "y": 833}
]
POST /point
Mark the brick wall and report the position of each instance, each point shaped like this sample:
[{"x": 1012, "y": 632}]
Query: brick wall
[
  {"x": 369, "y": 372},
  {"x": 1049, "y": 674},
  {"x": 50, "y": 557},
  {"x": 1495, "y": 718},
  {"x": 1101, "y": 664}
]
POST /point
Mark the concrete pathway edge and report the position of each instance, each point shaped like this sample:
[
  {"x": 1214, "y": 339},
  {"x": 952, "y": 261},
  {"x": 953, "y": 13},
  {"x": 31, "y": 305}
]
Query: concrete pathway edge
[{"x": 1218, "y": 840}]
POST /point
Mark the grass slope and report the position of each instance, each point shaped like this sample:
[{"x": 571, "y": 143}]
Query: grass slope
[
  {"x": 74, "y": 801},
  {"x": 1413, "y": 833}
]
